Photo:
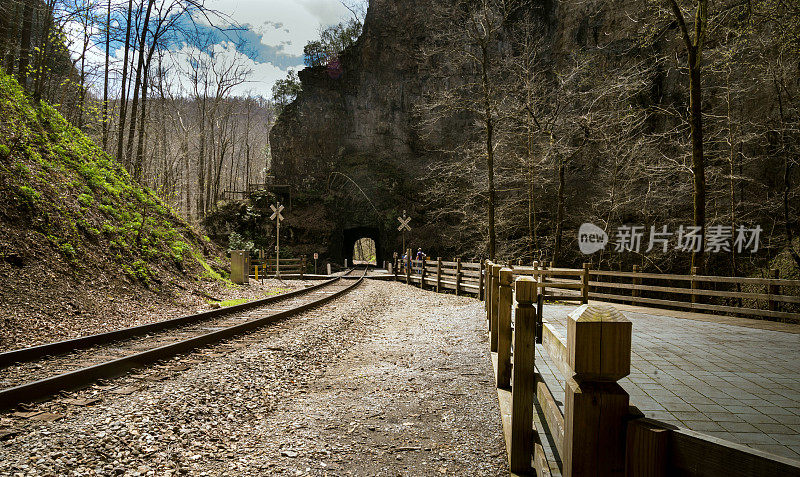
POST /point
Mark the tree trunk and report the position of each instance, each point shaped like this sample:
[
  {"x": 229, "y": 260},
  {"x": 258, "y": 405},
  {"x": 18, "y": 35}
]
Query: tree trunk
[
  {"x": 123, "y": 92},
  {"x": 11, "y": 52},
  {"x": 105, "y": 78},
  {"x": 489, "y": 151},
  {"x": 698, "y": 164},
  {"x": 531, "y": 195},
  {"x": 201, "y": 165},
  {"x": 560, "y": 214},
  {"x": 25, "y": 44},
  {"x": 137, "y": 163},
  {"x": 139, "y": 158},
  {"x": 129, "y": 159},
  {"x": 44, "y": 51}
]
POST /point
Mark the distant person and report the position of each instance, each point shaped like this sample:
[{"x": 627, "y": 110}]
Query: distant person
[
  {"x": 420, "y": 257},
  {"x": 405, "y": 262}
]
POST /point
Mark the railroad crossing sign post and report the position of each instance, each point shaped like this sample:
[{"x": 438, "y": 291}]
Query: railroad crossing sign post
[
  {"x": 278, "y": 218},
  {"x": 404, "y": 227},
  {"x": 316, "y": 256}
]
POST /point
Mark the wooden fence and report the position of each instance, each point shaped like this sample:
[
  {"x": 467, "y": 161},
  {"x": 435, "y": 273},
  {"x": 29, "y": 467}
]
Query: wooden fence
[
  {"x": 598, "y": 433},
  {"x": 461, "y": 277},
  {"x": 772, "y": 298},
  {"x": 263, "y": 268}
]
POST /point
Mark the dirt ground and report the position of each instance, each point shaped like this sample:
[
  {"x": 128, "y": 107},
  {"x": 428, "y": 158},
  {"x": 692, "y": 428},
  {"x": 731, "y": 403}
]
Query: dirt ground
[
  {"x": 54, "y": 313},
  {"x": 388, "y": 380}
]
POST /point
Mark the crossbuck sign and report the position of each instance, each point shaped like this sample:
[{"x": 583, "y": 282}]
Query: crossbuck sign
[
  {"x": 404, "y": 227},
  {"x": 276, "y": 212},
  {"x": 278, "y": 218},
  {"x": 404, "y": 223}
]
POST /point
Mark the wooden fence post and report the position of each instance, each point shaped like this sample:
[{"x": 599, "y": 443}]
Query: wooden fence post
[
  {"x": 774, "y": 290},
  {"x": 694, "y": 284},
  {"x": 458, "y": 277},
  {"x": 488, "y": 301},
  {"x": 495, "y": 303},
  {"x": 408, "y": 267},
  {"x": 585, "y": 283},
  {"x": 422, "y": 273},
  {"x": 396, "y": 263},
  {"x": 438, "y": 274},
  {"x": 481, "y": 281},
  {"x": 303, "y": 267},
  {"x": 595, "y": 405},
  {"x": 523, "y": 391},
  {"x": 636, "y": 282},
  {"x": 539, "y": 301},
  {"x": 504, "y": 329}
]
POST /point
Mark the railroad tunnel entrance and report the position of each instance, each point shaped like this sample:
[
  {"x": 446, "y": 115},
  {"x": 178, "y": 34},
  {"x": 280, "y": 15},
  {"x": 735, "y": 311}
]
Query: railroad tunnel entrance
[{"x": 362, "y": 246}]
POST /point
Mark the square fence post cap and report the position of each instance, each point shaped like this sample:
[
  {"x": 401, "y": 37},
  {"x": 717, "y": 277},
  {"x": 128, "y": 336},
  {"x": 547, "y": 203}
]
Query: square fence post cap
[
  {"x": 599, "y": 343},
  {"x": 527, "y": 290},
  {"x": 496, "y": 270},
  {"x": 506, "y": 276}
]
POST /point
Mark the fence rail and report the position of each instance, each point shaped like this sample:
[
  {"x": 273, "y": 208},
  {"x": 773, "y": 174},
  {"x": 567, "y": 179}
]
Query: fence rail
[{"x": 772, "y": 298}]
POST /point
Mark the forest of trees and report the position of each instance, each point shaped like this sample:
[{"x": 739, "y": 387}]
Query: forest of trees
[
  {"x": 161, "y": 98},
  {"x": 688, "y": 116}
]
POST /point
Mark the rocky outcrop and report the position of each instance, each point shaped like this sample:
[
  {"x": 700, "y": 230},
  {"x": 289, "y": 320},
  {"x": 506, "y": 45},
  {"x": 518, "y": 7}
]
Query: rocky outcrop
[{"x": 367, "y": 109}]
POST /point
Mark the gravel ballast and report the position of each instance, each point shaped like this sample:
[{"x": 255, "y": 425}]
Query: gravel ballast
[{"x": 388, "y": 380}]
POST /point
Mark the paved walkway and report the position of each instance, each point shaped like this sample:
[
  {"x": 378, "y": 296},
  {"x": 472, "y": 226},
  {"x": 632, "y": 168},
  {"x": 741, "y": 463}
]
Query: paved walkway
[{"x": 738, "y": 383}]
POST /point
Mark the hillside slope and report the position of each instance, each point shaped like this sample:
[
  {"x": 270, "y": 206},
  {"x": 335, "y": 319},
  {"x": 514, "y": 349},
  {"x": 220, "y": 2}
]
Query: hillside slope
[{"x": 81, "y": 244}]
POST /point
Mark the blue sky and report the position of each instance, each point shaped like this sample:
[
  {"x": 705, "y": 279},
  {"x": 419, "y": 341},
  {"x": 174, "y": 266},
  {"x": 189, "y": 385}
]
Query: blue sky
[
  {"x": 276, "y": 32},
  {"x": 271, "y": 39}
]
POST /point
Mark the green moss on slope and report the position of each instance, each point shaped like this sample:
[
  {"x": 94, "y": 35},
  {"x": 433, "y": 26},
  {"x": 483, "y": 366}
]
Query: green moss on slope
[{"x": 59, "y": 187}]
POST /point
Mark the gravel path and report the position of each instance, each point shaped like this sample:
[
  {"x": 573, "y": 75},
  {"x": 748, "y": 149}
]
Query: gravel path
[{"x": 389, "y": 380}]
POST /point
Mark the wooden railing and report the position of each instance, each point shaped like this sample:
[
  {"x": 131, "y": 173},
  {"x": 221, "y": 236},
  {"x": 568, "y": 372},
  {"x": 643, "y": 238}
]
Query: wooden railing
[
  {"x": 263, "y": 268},
  {"x": 598, "y": 433},
  {"x": 772, "y": 298},
  {"x": 461, "y": 277}
]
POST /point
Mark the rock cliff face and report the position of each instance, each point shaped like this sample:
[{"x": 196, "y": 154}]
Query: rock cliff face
[
  {"x": 363, "y": 123},
  {"x": 367, "y": 110}
]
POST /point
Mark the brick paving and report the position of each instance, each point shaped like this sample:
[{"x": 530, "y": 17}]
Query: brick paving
[{"x": 736, "y": 383}]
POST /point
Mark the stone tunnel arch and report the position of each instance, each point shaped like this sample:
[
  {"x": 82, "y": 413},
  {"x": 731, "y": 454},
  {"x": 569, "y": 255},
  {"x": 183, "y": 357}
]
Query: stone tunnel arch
[{"x": 354, "y": 234}]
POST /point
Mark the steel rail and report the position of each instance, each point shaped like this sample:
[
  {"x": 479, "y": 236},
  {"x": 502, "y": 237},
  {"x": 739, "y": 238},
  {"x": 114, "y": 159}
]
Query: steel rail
[
  {"x": 62, "y": 347},
  {"x": 39, "y": 390}
]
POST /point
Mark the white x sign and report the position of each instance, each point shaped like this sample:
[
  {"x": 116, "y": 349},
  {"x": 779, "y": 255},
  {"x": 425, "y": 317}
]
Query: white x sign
[
  {"x": 404, "y": 223},
  {"x": 276, "y": 212}
]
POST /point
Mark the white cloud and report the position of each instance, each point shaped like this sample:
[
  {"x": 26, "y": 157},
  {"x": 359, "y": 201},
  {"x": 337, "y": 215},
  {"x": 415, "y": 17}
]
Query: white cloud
[
  {"x": 287, "y": 23},
  {"x": 259, "y": 82}
]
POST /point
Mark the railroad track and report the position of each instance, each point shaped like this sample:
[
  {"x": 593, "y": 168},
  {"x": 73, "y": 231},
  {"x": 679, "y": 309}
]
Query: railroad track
[{"x": 34, "y": 374}]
